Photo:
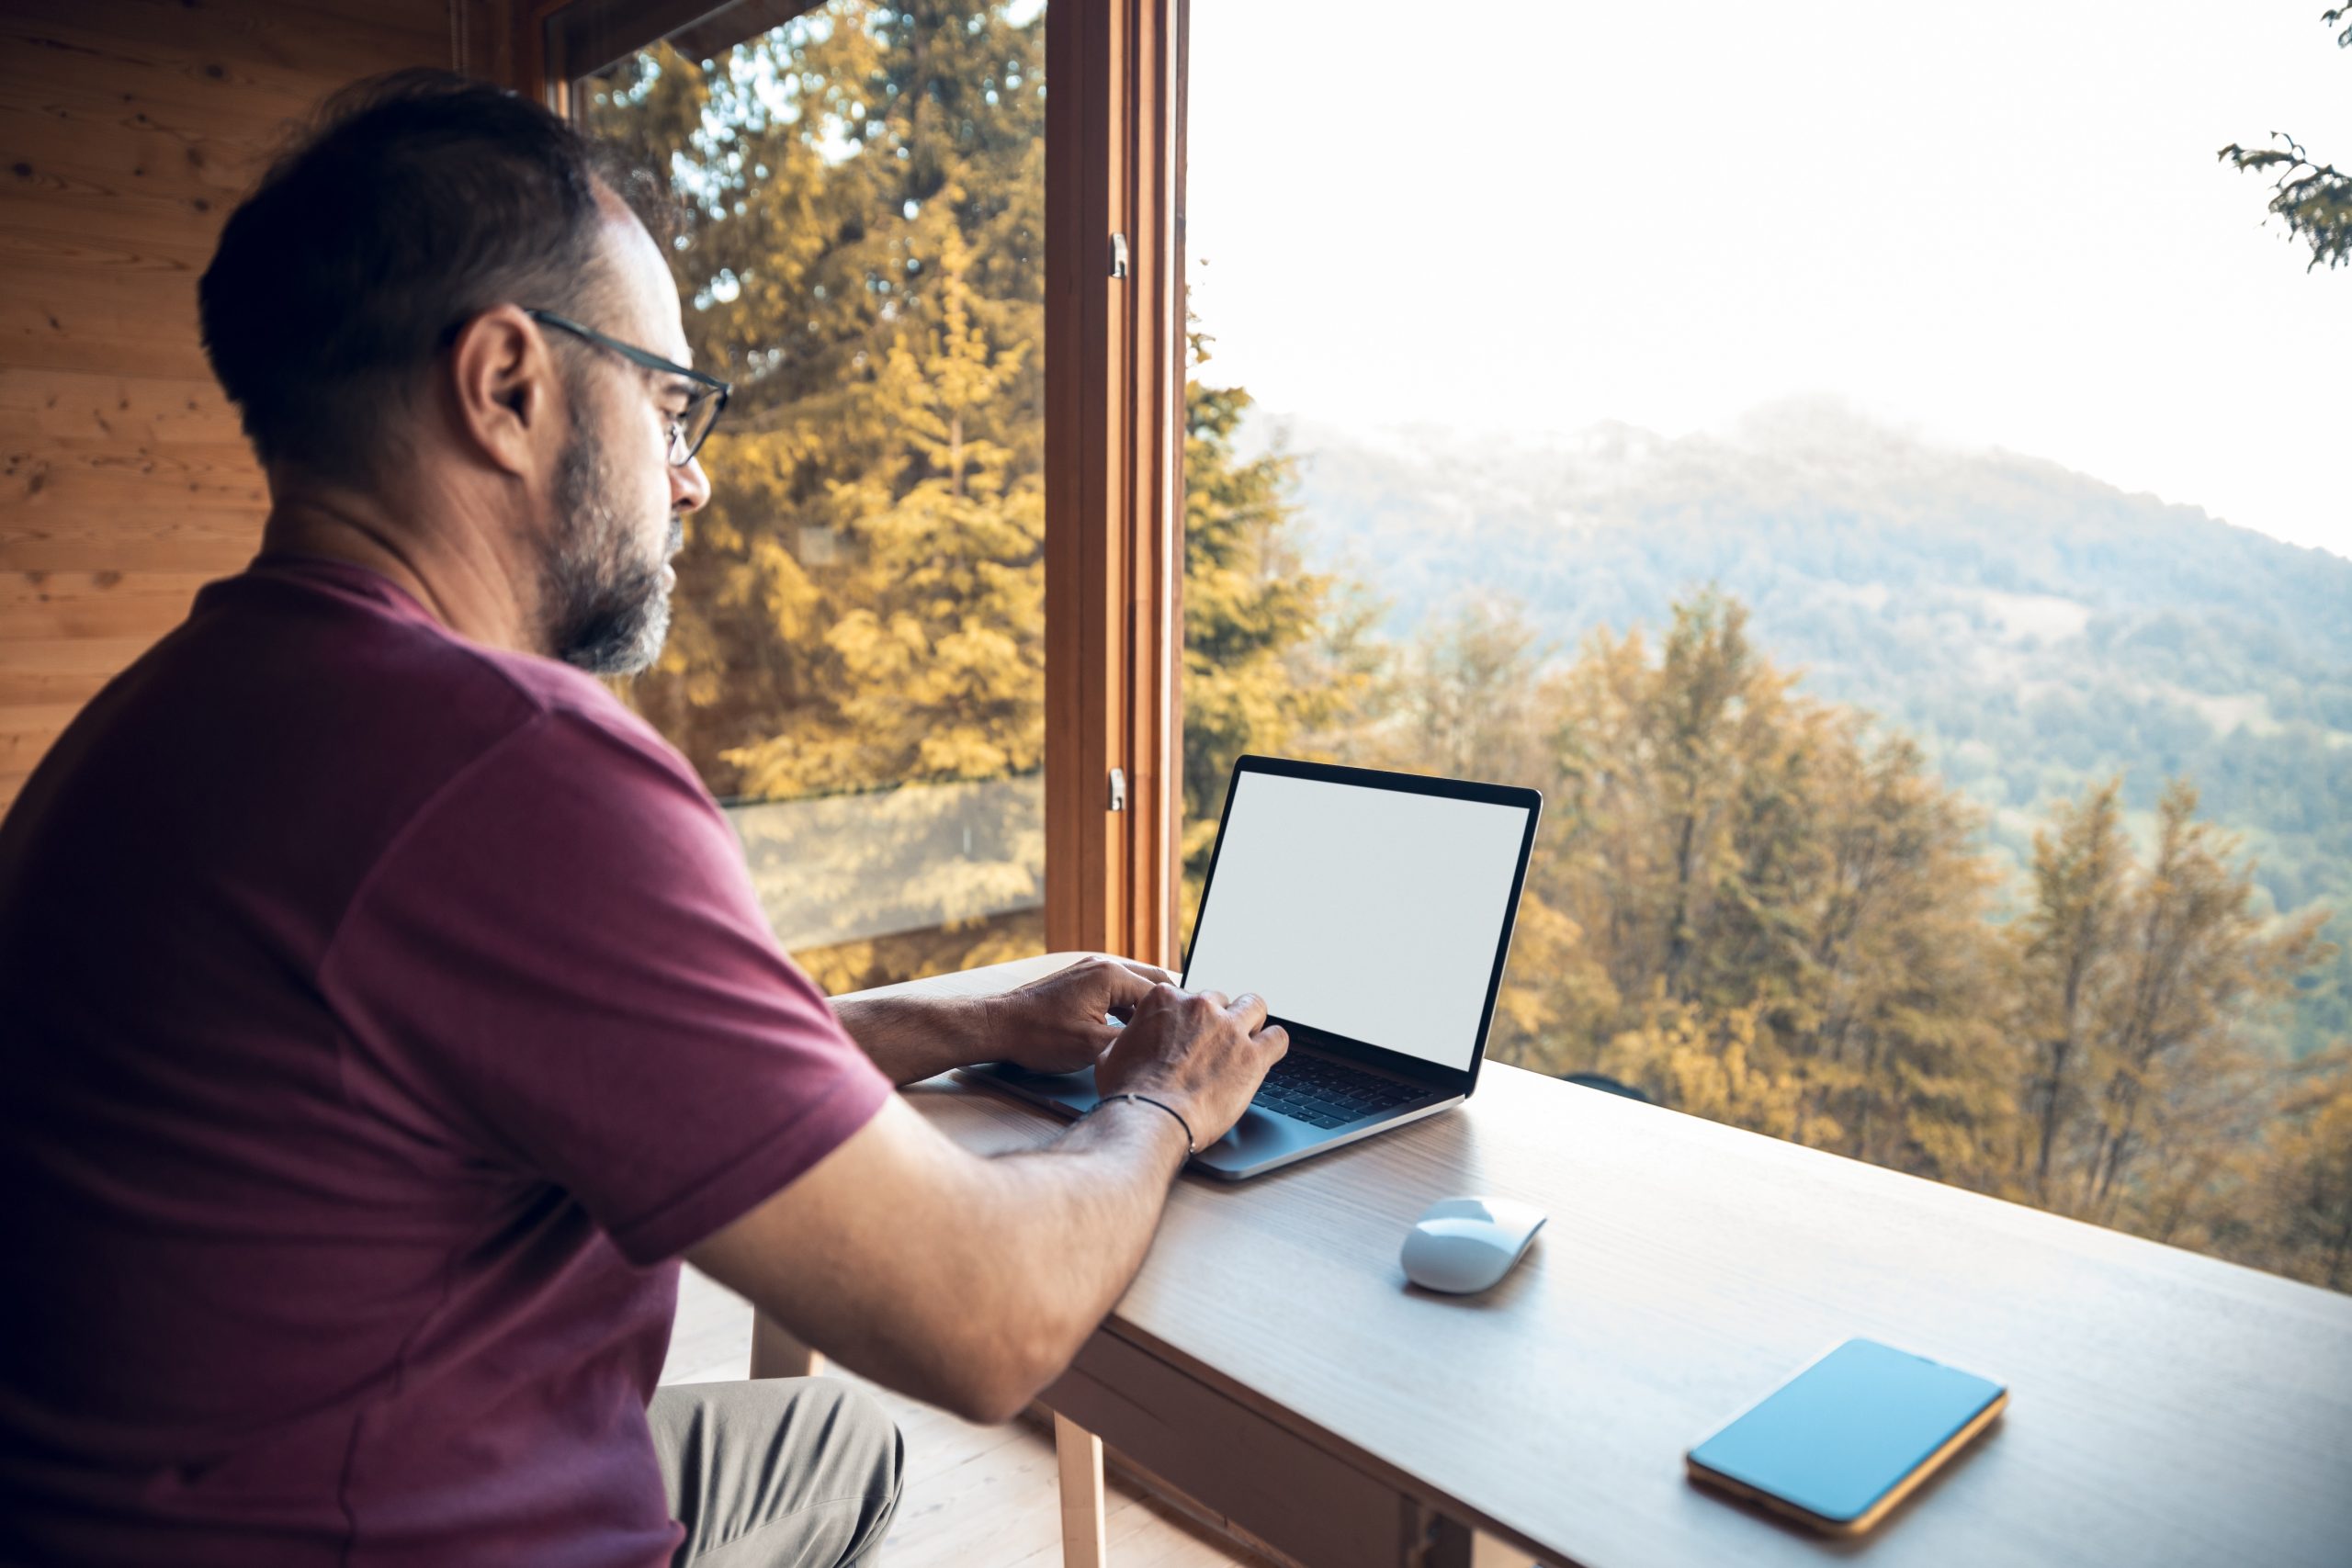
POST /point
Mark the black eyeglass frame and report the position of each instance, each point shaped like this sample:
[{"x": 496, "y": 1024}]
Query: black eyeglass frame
[{"x": 713, "y": 395}]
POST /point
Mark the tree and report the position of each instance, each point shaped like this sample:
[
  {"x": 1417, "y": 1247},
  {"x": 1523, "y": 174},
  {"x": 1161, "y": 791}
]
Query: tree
[
  {"x": 1758, "y": 908},
  {"x": 2078, "y": 866},
  {"x": 2147, "y": 984},
  {"x": 2315, "y": 199},
  {"x": 2301, "y": 1187}
]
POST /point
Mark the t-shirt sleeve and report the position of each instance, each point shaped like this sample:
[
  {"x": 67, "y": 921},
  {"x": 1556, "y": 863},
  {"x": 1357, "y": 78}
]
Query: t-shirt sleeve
[{"x": 561, "y": 959}]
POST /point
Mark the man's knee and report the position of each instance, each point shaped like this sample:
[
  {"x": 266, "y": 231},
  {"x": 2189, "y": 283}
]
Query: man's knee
[{"x": 785, "y": 1471}]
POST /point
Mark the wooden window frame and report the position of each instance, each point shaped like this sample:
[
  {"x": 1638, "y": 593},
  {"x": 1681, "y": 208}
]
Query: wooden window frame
[
  {"x": 1114, "y": 487},
  {"x": 1114, "y": 355}
]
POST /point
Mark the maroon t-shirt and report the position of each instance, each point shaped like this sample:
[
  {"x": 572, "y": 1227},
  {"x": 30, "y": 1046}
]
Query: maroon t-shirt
[{"x": 380, "y": 1016}]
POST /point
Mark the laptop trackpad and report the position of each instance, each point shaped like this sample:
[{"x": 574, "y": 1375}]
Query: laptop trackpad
[{"x": 1073, "y": 1091}]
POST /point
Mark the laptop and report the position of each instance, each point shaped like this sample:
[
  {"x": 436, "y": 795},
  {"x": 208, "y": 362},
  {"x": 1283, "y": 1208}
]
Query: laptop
[{"x": 1373, "y": 911}]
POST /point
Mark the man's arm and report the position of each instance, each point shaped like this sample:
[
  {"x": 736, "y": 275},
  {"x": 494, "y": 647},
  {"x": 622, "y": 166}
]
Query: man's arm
[
  {"x": 1051, "y": 1025},
  {"x": 914, "y": 1038},
  {"x": 972, "y": 1282}
]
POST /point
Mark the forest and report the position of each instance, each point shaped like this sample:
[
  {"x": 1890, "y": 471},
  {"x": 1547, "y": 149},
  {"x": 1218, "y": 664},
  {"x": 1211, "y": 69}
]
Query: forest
[
  {"x": 2036, "y": 631},
  {"x": 1750, "y": 902}
]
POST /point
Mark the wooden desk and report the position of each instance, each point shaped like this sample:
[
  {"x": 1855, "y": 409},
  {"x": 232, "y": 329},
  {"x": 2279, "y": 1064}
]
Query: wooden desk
[{"x": 1272, "y": 1361}]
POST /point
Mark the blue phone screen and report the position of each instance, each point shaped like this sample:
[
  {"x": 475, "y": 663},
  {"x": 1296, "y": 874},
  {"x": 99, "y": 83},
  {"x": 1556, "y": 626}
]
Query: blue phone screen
[{"x": 1839, "y": 1435}]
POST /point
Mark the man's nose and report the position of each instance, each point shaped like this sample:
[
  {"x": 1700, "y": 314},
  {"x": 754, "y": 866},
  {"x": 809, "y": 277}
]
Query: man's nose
[{"x": 689, "y": 487}]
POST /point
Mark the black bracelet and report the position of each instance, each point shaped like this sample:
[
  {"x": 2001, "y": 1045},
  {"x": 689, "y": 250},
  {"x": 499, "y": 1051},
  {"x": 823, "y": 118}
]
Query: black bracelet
[{"x": 1190, "y": 1148}]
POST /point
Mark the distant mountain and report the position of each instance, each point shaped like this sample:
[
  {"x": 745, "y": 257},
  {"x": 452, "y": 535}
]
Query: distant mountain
[{"x": 2034, "y": 628}]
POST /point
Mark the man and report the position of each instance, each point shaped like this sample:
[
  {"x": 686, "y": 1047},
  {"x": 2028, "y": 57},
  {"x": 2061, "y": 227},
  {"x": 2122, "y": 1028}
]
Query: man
[{"x": 385, "y": 1011}]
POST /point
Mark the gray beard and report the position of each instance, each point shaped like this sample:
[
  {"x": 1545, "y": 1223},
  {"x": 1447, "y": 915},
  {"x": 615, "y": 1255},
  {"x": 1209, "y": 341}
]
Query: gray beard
[{"x": 607, "y": 610}]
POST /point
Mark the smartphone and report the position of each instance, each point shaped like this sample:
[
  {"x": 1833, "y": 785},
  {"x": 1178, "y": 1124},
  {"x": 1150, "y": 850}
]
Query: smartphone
[{"x": 1846, "y": 1440}]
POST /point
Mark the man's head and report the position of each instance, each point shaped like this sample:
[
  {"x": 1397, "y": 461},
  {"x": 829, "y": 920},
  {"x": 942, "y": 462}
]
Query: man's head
[{"x": 370, "y": 310}]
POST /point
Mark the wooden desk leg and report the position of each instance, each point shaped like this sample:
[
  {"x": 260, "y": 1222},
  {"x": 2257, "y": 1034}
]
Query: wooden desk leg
[
  {"x": 1486, "y": 1551},
  {"x": 1443, "y": 1543},
  {"x": 1085, "y": 1543},
  {"x": 777, "y": 1354}
]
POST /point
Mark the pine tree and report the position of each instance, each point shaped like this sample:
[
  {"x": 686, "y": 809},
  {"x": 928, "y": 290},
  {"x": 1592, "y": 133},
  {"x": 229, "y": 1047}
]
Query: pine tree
[{"x": 861, "y": 604}]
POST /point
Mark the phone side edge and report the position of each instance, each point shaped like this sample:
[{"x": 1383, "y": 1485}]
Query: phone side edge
[
  {"x": 1933, "y": 1462},
  {"x": 1707, "y": 1475}
]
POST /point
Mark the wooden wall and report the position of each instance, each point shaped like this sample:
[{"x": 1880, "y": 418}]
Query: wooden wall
[{"x": 129, "y": 128}]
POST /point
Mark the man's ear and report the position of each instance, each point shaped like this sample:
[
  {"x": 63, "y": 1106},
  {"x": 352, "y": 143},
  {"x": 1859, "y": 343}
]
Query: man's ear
[{"x": 507, "y": 397}]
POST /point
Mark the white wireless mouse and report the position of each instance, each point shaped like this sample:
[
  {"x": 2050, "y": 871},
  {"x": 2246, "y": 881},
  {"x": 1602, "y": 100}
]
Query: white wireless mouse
[{"x": 1466, "y": 1243}]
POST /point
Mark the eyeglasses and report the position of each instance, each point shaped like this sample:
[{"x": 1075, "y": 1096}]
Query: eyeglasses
[{"x": 688, "y": 429}]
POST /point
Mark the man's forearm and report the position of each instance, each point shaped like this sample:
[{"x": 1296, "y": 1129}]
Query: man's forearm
[
  {"x": 1083, "y": 1211},
  {"x": 914, "y": 1038}
]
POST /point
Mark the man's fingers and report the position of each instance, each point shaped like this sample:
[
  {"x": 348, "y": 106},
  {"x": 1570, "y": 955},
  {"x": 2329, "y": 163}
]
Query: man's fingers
[
  {"x": 1127, "y": 984},
  {"x": 1152, "y": 973},
  {"x": 1251, "y": 1009},
  {"x": 1277, "y": 1039}
]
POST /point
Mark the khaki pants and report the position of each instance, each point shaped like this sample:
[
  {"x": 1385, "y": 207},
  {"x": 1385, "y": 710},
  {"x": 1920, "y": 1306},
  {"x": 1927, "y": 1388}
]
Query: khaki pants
[{"x": 784, "y": 1473}]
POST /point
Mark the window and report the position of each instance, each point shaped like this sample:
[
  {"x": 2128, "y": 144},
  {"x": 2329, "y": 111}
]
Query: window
[
  {"x": 856, "y": 665},
  {"x": 1782, "y": 443}
]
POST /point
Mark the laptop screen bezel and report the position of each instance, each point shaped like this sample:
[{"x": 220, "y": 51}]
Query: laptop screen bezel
[{"x": 1460, "y": 1080}]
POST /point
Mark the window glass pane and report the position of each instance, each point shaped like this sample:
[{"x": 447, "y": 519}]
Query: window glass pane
[
  {"x": 856, "y": 663},
  {"x": 1903, "y": 544}
]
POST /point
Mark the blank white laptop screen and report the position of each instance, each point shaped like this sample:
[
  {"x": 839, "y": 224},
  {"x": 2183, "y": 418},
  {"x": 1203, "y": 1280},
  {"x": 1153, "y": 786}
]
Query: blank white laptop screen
[{"x": 1371, "y": 913}]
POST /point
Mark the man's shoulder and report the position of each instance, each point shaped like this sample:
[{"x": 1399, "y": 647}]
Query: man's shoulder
[{"x": 300, "y": 722}]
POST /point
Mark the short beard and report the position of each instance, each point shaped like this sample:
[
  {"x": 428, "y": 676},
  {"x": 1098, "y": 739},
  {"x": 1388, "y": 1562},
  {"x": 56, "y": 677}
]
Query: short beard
[{"x": 605, "y": 608}]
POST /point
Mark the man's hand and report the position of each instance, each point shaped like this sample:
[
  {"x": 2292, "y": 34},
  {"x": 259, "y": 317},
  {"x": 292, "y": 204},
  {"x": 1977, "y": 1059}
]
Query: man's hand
[
  {"x": 1201, "y": 1054},
  {"x": 1055, "y": 1024}
]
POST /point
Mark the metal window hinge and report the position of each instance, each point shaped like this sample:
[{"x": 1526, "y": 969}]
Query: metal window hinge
[
  {"x": 1118, "y": 256},
  {"x": 1118, "y": 789}
]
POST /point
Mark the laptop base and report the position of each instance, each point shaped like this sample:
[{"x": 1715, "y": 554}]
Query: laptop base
[{"x": 1262, "y": 1141}]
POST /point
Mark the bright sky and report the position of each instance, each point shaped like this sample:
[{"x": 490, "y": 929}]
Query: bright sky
[{"x": 2001, "y": 223}]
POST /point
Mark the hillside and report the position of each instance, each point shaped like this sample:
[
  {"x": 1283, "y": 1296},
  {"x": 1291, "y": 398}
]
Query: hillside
[{"x": 2036, "y": 628}]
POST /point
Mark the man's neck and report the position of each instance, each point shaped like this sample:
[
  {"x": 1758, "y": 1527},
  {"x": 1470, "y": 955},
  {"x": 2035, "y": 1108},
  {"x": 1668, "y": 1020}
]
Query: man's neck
[{"x": 455, "y": 572}]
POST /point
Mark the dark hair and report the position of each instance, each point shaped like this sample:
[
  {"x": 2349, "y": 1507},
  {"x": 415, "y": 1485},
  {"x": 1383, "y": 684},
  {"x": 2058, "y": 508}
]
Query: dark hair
[{"x": 416, "y": 201}]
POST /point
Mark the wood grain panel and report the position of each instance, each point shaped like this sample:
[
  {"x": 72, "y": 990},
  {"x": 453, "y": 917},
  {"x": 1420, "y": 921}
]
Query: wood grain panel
[
  {"x": 103, "y": 606},
  {"x": 336, "y": 34},
  {"x": 52, "y": 215},
  {"x": 105, "y": 57},
  {"x": 56, "y": 247},
  {"x": 134, "y": 337},
  {"x": 128, "y": 130},
  {"x": 40, "y": 406},
  {"x": 65, "y": 197},
  {"x": 106, "y": 480},
  {"x": 216, "y": 543}
]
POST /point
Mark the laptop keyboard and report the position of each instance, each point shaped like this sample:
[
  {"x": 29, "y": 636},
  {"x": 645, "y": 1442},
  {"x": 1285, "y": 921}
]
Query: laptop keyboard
[{"x": 1325, "y": 1093}]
